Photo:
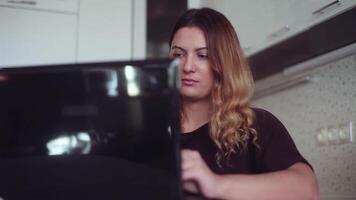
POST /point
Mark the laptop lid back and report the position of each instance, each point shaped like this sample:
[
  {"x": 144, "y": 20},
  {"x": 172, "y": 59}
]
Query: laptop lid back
[{"x": 106, "y": 130}]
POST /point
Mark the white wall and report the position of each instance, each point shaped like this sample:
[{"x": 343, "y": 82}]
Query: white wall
[{"x": 330, "y": 100}]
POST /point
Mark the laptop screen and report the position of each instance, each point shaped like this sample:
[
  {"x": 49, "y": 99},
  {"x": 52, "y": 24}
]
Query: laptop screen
[{"x": 105, "y": 130}]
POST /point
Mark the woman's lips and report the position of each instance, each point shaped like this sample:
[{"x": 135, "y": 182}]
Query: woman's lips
[{"x": 188, "y": 82}]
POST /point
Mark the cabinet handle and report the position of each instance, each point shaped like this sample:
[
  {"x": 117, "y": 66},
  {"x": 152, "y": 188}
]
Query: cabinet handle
[
  {"x": 279, "y": 32},
  {"x": 32, "y": 3},
  {"x": 322, "y": 9}
]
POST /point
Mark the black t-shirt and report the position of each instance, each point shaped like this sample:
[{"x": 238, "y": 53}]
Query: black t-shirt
[{"x": 276, "y": 149}]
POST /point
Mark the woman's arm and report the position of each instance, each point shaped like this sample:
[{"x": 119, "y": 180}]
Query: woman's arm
[{"x": 297, "y": 182}]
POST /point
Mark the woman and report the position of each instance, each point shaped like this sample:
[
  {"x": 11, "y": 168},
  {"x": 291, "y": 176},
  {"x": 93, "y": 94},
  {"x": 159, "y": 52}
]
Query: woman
[{"x": 230, "y": 150}]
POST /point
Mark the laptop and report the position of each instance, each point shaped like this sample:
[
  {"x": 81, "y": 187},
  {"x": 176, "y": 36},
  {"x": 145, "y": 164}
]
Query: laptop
[{"x": 107, "y": 130}]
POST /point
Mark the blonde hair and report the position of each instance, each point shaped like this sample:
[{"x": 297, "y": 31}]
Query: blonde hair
[{"x": 232, "y": 118}]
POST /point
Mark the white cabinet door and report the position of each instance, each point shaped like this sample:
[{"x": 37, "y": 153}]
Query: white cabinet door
[
  {"x": 263, "y": 23},
  {"x": 33, "y": 37},
  {"x": 318, "y": 12},
  {"x": 105, "y": 30},
  {"x": 253, "y": 20},
  {"x": 302, "y": 15},
  {"x": 65, "y": 31}
]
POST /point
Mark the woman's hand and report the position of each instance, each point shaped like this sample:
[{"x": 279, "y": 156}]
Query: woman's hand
[
  {"x": 296, "y": 182},
  {"x": 196, "y": 175}
]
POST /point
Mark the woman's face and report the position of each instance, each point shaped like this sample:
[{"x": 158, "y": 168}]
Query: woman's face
[{"x": 189, "y": 45}]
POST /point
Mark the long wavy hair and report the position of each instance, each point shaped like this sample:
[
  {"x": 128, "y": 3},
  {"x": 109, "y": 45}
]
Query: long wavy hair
[{"x": 232, "y": 118}]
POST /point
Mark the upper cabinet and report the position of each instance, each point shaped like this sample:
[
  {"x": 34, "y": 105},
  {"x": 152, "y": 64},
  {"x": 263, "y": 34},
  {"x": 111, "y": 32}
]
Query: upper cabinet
[
  {"x": 40, "y": 32},
  {"x": 111, "y": 30},
  {"x": 105, "y": 30},
  {"x": 37, "y": 32},
  {"x": 263, "y": 23}
]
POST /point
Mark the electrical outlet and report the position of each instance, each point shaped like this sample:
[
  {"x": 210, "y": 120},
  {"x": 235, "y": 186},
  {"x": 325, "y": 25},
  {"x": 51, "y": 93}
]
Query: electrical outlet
[
  {"x": 322, "y": 136},
  {"x": 336, "y": 134},
  {"x": 346, "y": 132}
]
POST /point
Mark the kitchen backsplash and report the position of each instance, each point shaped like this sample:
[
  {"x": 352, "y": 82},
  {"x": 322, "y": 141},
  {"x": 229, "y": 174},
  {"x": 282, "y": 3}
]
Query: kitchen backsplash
[{"x": 329, "y": 100}]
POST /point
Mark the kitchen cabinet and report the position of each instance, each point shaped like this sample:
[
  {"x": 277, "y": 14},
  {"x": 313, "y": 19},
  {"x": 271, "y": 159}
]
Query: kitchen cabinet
[
  {"x": 43, "y": 32},
  {"x": 299, "y": 16},
  {"x": 37, "y": 33},
  {"x": 111, "y": 30},
  {"x": 264, "y": 23}
]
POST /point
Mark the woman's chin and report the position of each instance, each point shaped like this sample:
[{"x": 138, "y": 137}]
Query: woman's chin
[{"x": 193, "y": 96}]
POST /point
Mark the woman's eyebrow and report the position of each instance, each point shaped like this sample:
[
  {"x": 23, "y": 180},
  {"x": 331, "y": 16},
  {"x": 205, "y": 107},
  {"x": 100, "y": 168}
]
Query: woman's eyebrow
[
  {"x": 177, "y": 47},
  {"x": 201, "y": 48},
  {"x": 182, "y": 49}
]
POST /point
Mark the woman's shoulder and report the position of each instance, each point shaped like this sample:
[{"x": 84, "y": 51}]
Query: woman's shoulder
[
  {"x": 267, "y": 123},
  {"x": 277, "y": 148},
  {"x": 263, "y": 116}
]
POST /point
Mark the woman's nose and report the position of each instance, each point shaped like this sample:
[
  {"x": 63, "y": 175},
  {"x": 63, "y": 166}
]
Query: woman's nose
[{"x": 188, "y": 65}]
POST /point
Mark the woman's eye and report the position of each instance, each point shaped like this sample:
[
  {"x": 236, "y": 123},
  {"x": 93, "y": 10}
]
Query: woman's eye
[
  {"x": 203, "y": 56},
  {"x": 177, "y": 55}
]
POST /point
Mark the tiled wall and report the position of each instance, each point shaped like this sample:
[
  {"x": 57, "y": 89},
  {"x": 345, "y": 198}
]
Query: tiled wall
[{"x": 329, "y": 100}]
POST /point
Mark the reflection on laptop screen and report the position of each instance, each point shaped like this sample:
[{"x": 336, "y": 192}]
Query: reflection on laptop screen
[{"x": 98, "y": 130}]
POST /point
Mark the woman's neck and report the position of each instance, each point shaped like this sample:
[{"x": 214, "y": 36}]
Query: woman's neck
[{"x": 195, "y": 114}]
